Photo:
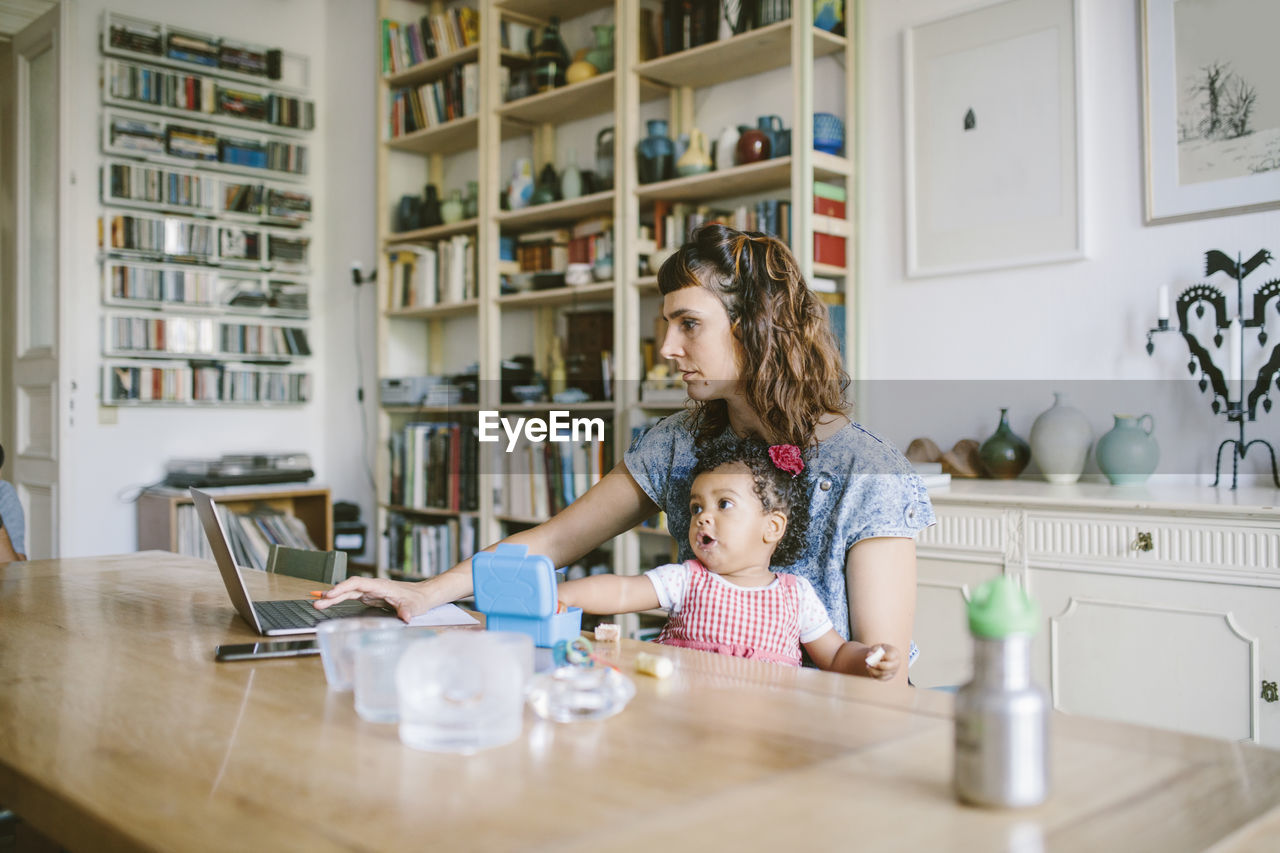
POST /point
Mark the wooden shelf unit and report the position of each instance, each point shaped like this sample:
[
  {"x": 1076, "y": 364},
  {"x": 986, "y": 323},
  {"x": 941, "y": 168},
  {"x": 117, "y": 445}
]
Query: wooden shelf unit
[
  {"x": 158, "y": 511},
  {"x": 431, "y": 340}
]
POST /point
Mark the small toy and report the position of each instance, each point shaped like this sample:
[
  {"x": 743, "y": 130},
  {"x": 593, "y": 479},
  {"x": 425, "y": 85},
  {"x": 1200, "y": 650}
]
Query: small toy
[
  {"x": 607, "y": 632},
  {"x": 658, "y": 667},
  {"x": 575, "y": 652},
  {"x": 516, "y": 591},
  {"x": 876, "y": 655}
]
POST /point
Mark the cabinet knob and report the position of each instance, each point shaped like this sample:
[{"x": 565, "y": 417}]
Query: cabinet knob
[
  {"x": 1143, "y": 542},
  {"x": 1269, "y": 691}
]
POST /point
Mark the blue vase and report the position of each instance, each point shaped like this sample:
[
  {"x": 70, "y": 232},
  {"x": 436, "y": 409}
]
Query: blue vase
[
  {"x": 655, "y": 154},
  {"x": 1128, "y": 453}
]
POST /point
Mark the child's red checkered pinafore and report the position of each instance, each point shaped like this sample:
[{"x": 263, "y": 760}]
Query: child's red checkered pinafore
[{"x": 746, "y": 622}]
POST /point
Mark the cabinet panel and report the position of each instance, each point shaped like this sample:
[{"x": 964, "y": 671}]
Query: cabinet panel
[
  {"x": 941, "y": 630},
  {"x": 1177, "y": 654},
  {"x": 965, "y": 530},
  {"x": 1174, "y": 542}
]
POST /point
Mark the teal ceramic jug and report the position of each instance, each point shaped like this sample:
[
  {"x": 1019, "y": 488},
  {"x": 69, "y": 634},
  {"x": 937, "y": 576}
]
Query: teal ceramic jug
[{"x": 1128, "y": 453}]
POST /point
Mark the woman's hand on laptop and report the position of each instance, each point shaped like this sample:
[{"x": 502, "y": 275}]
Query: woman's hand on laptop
[{"x": 406, "y": 599}]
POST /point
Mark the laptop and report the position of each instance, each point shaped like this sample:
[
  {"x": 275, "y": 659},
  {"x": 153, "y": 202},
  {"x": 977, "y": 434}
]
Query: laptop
[{"x": 269, "y": 618}]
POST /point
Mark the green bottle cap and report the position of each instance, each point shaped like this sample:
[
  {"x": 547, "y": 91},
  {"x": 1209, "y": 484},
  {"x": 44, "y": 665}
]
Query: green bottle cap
[{"x": 1000, "y": 607}]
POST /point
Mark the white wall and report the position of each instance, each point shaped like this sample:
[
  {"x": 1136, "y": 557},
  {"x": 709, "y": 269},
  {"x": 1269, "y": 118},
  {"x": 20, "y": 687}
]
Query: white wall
[
  {"x": 1084, "y": 320},
  {"x": 107, "y": 451}
]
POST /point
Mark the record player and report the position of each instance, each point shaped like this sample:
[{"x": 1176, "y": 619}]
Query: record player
[{"x": 239, "y": 469}]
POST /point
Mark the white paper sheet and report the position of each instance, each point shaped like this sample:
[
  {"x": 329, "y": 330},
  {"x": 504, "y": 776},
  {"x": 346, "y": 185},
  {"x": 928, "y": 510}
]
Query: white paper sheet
[{"x": 445, "y": 614}]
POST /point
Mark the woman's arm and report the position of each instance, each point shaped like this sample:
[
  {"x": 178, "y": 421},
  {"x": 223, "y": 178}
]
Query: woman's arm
[
  {"x": 610, "y": 507},
  {"x": 609, "y": 594},
  {"x": 881, "y": 580},
  {"x": 7, "y": 553}
]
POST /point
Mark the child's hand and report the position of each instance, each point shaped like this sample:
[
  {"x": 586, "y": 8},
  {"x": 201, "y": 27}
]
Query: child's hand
[{"x": 883, "y": 661}]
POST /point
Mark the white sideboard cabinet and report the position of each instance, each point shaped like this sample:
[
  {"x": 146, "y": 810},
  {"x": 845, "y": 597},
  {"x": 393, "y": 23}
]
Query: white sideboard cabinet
[{"x": 1160, "y": 605}]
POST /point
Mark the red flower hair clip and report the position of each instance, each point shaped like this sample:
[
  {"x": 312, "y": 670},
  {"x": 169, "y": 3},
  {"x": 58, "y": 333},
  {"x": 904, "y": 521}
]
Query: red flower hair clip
[{"x": 787, "y": 458}]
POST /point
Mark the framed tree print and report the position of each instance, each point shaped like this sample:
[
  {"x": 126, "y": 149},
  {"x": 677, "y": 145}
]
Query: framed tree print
[{"x": 1211, "y": 86}]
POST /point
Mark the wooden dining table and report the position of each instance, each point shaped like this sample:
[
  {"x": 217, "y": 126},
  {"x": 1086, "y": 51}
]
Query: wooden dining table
[{"x": 119, "y": 731}]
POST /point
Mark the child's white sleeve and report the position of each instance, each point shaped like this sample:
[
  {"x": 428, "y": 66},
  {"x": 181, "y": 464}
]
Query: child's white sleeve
[
  {"x": 671, "y": 582},
  {"x": 814, "y": 620}
]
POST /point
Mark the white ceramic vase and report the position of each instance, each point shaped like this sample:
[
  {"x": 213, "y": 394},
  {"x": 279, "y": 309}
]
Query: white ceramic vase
[
  {"x": 1060, "y": 442},
  {"x": 726, "y": 145}
]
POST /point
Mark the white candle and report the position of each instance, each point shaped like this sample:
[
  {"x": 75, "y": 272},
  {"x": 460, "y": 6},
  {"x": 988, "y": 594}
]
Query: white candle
[
  {"x": 1162, "y": 309},
  {"x": 1234, "y": 360}
]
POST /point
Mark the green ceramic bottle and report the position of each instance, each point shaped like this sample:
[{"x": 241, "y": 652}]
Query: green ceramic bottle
[
  {"x": 1128, "y": 453},
  {"x": 1004, "y": 454}
]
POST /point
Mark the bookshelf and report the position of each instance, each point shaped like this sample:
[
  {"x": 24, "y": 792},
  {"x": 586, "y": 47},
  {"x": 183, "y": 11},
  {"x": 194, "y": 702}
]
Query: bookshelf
[
  {"x": 508, "y": 318},
  {"x": 203, "y": 233},
  {"x": 167, "y": 519}
]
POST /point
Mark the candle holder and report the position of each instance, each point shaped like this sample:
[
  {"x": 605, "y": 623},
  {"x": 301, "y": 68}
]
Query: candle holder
[{"x": 1228, "y": 393}]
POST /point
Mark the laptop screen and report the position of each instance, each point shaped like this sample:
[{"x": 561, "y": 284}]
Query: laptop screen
[{"x": 213, "y": 531}]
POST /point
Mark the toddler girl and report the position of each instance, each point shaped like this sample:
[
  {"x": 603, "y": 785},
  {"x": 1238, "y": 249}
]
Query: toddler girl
[{"x": 746, "y": 508}]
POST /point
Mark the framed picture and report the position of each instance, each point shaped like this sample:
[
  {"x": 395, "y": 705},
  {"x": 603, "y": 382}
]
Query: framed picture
[
  {"x": 993, "y": 138},
  {"x": 1211, "y": 86}
]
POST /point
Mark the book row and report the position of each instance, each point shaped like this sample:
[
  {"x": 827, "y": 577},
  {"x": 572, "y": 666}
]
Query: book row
[
  {"x": 147, "y": 136},
  {"x": 433, "y": 273},
  {"x": 407, "y": 44},
  {"x": 541, "y": 478},
  {"x": 158, "y": 87},
  {"x": 424, "y": 548},
  {"x": 123, "y": 182},
  {"x": 182, "y": 239},
  {"x": 250, "y": 534},
  {"x": 150, "y": 39},
  {"x": 203, "y": 288},
  {"x": 435, "y": 466},
  {"x": 455, "y": 95},
  {"x": 203, "y": 336},
  {"x": 211, "y": 383}
]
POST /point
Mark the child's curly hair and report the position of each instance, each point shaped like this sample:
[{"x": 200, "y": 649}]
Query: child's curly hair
[{"x": 778, "y": 490}]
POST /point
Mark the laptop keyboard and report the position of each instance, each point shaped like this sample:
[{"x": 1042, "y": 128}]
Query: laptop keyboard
[{"x": 297, "y": 613}]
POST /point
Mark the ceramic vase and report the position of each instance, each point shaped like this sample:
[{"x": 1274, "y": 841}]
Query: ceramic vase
[
  {"x": 1004, "y": 454},
  {"x": 655, "y": 154},
  {"x": 451, "y": 209},
  {"x": 579, "y": 71},
  {"x": 604, "y": 159},
  {"x": 550, "y": 57},
  {"x": 571, "y": 178},
  {"x": 753, "y": 145},
  {"x": 696, "y": 159},
  {"x": 779, "y": 136},
  {"x": 1128, "y": 453},
  {"x": 430, "y": 207},
  {"x": 726, "y": 148},
  {"x": 471, "y": 204},
  {"x": 601, "y": 55},
  {"x": 1060, "y": 441},
  {"x": 520, "y": 192},
  {"x": 548, "y": 187}
]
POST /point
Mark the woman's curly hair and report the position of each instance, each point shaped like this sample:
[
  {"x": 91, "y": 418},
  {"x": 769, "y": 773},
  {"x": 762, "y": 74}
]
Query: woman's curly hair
[
  {"x": 778, "y": 490},
  {"x": 790, "y": 363}
]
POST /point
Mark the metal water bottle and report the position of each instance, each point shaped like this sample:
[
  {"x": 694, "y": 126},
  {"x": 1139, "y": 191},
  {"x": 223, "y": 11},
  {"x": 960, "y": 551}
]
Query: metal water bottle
[{"x": 1002, "y": 718}]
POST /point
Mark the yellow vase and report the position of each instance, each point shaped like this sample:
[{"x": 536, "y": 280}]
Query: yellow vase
[
  {"x": 696, "y": 159},
  {"x": 579, "y": 71}
]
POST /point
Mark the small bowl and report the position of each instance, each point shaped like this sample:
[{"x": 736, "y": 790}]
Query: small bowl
[
  {"x": 828, "y": 133},
  {"x": 527, "y": 393}
]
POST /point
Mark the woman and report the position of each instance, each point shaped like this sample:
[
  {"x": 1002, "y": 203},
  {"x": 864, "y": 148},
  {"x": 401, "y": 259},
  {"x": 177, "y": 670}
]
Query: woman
[
  {"x": 12, "y": 522},
  {"x": 756, "y": 352}
]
